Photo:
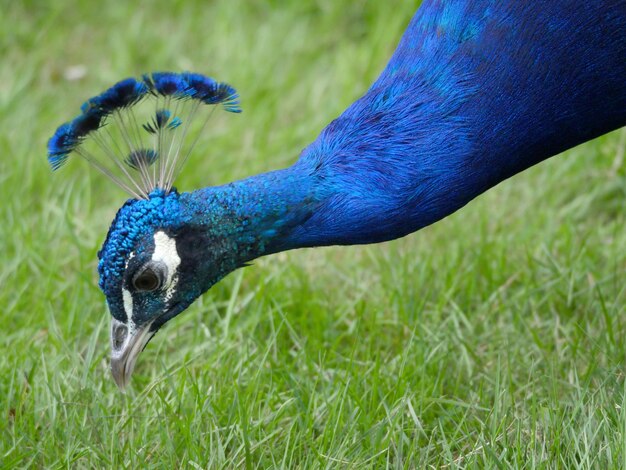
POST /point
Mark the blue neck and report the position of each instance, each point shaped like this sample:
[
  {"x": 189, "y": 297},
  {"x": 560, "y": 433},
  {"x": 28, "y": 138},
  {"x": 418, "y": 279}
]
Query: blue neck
[
  {"x": 258, "y": 214},
  {"x": 475, "y": 93}
]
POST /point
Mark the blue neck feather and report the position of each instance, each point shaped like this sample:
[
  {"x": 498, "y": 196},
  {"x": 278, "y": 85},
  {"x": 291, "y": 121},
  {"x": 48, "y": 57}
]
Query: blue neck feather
[
  {"x": 475, "y": 93},
  {"x": 258, "y": 214}
]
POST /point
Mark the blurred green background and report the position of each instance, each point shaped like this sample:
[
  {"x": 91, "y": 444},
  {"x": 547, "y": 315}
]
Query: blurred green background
[{"x": 494, "y": 338}]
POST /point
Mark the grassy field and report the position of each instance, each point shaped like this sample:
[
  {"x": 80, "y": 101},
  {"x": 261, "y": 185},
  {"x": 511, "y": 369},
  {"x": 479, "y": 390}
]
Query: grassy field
[{"x": 493, "y": 339}]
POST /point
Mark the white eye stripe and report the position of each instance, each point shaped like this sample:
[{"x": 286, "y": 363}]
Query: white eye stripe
[
  {"x": 165, "y": 252},
  {"x": 128, "y": 304}
]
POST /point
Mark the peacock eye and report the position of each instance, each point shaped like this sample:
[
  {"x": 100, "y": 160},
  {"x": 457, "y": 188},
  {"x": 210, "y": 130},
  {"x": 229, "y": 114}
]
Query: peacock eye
[{"x": 149, "y": 279}]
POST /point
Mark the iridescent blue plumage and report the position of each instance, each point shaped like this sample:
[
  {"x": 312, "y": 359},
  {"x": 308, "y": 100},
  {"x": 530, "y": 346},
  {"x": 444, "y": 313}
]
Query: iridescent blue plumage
[
  {"x": 192, "y": 86},
  {"x": 71, "y": 134},
  {"x": 61, "y": 144},
  {"x": 167, "y": 84},
  {"x": 127, "y": 136},
  {"x": 162, "y": 119},
  {"x": 211, "y": 92},
  {"x": 123, "y": 94},
  {"x": 87, "y": 122},
  {"x": 476, "y": 92},
  {"x": 141, "y": 158},
  {"x": 127, "y": 235}
]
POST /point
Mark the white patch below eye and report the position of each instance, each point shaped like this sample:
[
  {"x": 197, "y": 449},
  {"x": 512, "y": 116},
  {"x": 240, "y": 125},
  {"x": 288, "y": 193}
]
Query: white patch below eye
[
  {"x": 128, "y": 304},
  {"x": 165, "y": 252}
]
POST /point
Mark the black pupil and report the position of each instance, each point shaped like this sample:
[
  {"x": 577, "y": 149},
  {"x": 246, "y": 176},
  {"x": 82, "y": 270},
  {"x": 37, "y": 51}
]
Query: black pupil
[{"x": 147, "y": 280}]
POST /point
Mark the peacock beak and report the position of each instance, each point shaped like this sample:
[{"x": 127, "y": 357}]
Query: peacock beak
[{"x": 126, "y": 344}]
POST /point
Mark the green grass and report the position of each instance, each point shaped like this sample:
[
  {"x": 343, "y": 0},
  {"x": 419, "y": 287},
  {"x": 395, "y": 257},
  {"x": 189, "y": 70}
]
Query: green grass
[{"x": 493, "y": 339}]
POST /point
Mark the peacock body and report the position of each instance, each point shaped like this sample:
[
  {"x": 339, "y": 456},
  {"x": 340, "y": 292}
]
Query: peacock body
[{"x": 476, "y": 92}]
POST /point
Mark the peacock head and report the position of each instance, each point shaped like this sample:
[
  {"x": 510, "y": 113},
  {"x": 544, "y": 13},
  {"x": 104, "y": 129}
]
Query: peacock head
[
  {"x": 150, "y": 267},
  {"x": 140, "y": 268}
]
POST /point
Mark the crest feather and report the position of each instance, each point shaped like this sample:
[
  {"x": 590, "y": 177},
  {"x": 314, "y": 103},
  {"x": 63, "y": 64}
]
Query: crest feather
[{"x": 135, "y": 132}]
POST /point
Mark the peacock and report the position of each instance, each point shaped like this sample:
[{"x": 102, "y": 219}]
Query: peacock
[{"x": 476, "y": 91}]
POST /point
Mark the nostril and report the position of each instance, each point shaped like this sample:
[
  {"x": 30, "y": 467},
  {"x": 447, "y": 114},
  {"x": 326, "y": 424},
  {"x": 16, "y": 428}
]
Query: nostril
[{"x": 118, "y": 336}]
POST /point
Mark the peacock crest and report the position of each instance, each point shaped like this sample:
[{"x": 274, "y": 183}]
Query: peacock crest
[{"x": 140, "y": 132}]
